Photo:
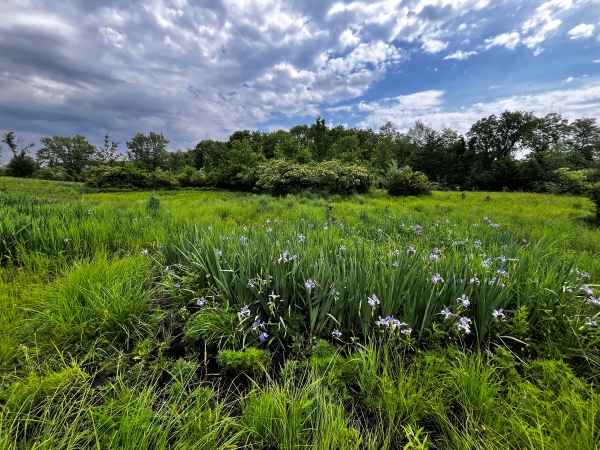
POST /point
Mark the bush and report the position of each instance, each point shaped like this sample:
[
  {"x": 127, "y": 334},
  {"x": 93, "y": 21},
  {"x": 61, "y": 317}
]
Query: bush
[
  {"x": 21, "y": 166},
  {"x": 251, "y": 360},
  {"x": 331, "y": 177},
  {"x": 571, "y": 181},
  {"x": 126, "y": 176},
  {"x": 53, "y": 174},
  {"x": 161, "y": 179},
  {"x": 405, "y": 181},
  {"x": 594, "y": 195}
]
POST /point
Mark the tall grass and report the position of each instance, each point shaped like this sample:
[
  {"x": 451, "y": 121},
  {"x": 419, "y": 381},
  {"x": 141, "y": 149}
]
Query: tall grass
[{"x": 114, "y": 309}]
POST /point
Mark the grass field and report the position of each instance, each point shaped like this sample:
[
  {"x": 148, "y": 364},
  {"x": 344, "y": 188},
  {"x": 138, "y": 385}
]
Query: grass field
[{"x": 218, "y": 320}]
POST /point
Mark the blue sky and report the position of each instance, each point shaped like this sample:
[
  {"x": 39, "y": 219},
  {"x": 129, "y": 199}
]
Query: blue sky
[{"x": 196, "y": 70}]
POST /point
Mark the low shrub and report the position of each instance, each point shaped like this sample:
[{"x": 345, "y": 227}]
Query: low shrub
[
  {"x": 250, "y": 360},
  {"x": 405, "y": 181}
]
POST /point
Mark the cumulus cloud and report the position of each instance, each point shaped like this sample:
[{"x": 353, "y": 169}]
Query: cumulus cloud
[
  {"x": 195, "y": 70},
  {"x": 543, "y": 23},
  {"x": 581, "y": 31},
  {"x": 430, "y": 108},
  {"x": 460, "y": 55},
  {"x": 508, "y": 40}
]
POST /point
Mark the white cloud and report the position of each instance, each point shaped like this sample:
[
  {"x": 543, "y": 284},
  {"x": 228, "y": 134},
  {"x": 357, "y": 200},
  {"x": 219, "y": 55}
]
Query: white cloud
[
  {"x": 581, "y": 31},
  {"x": 508, "y": 40},
  {"x": 460, "y": 55},
  {"x": 428, "y": 107},
  {"x": 543, "y": 23},
  {"x": 568, "y": 80},
  {"x": 433, "y": 45}
]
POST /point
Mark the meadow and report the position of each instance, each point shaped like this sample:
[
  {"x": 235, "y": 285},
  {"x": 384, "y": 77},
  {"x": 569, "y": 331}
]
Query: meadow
[{"x": 216, "y": 320}]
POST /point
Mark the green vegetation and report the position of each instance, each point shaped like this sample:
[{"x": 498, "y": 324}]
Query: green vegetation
[{"x": 218, "y": 320}]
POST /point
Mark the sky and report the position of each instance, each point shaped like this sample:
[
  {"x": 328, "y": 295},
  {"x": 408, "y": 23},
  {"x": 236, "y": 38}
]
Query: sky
[{"x": 202, "y": 69}]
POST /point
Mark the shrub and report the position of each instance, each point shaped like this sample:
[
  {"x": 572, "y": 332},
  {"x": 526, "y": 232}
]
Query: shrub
[
  {"x": 126, "y": 176},
  {"x": 405, "y": 181},
  {"x": 162, "y": 179},
  {"x": 332, "y": 177},
  {"x": 571, "y": 181},
  {"x": 21, "y": 166},
  {"x": 53, "y": 174},
  {"x": 594, "y": 195},
  {"x": 251, "y": 360}
]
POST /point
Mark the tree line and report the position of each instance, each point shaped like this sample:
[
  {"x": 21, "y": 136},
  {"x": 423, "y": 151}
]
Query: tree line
[{"x": 515, "y": 150}]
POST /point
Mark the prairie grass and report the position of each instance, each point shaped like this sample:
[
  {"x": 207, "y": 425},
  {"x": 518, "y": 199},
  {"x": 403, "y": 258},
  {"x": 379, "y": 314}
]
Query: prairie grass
[{"x": 115, "y": 307}]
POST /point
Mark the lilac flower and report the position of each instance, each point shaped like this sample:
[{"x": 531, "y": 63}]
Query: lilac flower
[
  {"x": 251, "y": 283},
  {"x": 502, "y": 272},
  {"x": 406, "y": 331},
  {"x": 262, "y": 337},
  {"x": 390, "y": 322},
  {"x": 582, "y": 275},
  {"x": 301, "y": 238},
  {"x": 464, "y": 324},
  {"x": 177, "y": 286},
  {"x": 269, "y": 230},
  {"x": 67, "y": 239},
  {"x": 145, "y": 251},
  {"x": 417, "y": 229},
  {"x": 90, "y": 212},
  {"x": 587, "y": 290},
  {"x": 245, "y": 311},
  {"x": 498, "y": 314},
  {"x": 201, "y": 302},
  {"x": 486, "y": 263},
  {"x": 447, "y": 314},
  {"x": 464, "y": 300},
  {"x": 373, "y": 301},
  {"x": 342, "y": 248},
  {"x": 219, "y": 252},
  {"x": 208, "y": 275},
  {"x": 474, "y": 280},
  {"x": 326, "y": 227},
  {"x": 310, "y": 285},
  {"x": 256, "y": 325},
  {"x": 434, "y": 256},
  {"x": 395, "y": 264},
  {"x": 273, "y": 296},
  {"x": 477, "y": 244},
  {"x": 411, "y": 250},
  {"x": 336, "y": 333},
  {"x": 437, "y": 278},
  {"x": 591, "y": 323},
  {"x": 593, "y": 301}
]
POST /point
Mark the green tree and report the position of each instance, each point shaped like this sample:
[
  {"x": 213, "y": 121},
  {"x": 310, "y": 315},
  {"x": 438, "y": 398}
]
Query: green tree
[
  {"x": 148, "y": 151},
  {"x": 20, "y": 165},
  {"x": 108, "y": 153},
  {"x": 74, "y": 154},
  {"x": 584, "y": 141},
  {"x": 495, "y": 138}
]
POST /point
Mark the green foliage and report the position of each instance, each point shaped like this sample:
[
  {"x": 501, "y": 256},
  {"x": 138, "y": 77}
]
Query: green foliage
[
  {"x": 74, "y": 154},
  {"x": 571, "y": 181},
  {"x": 126, "y": 176},
  {"x": 404, "y": 181},
  {"x": 21, "y": 166},
  {"x": 250, "y": 361},
  {"x": 283, "y": 177},
  {"x": 104, "y": 304},
  {"x": 594, "y": 195},
  {"x": 147, "y": 151}
]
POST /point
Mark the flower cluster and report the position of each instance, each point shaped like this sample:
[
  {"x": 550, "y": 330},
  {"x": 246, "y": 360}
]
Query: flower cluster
[
  {"x": 464, "y": 324},
  {"x": 286, "y": 256},
  {"x": 393, "y": 324}
]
